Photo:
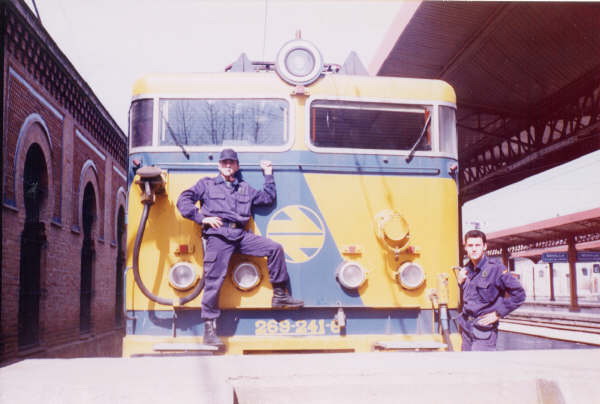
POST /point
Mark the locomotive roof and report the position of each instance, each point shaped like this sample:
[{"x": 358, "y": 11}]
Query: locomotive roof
[{"x": 268, "y": 84}]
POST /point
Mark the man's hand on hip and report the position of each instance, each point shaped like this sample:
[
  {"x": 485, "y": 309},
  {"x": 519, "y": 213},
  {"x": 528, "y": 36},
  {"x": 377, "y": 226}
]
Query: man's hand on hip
[
  {"x": 213, "y": 221},
  {"x": 489, "y": 318}
]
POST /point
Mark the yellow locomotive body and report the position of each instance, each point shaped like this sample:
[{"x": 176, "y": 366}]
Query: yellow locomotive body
[{"x": 366, "y": 211}]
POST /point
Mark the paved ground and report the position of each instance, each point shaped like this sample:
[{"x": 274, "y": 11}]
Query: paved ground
[{"x": 551, "y": 377}]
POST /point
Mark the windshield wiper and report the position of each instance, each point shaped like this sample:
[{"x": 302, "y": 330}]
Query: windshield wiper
[
  {"x": 423, "y": 131},
  {"x": 174, "y": 136}
]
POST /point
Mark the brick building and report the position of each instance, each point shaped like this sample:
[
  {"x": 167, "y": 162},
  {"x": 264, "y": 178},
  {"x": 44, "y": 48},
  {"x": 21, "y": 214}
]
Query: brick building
[{"x": 63, "y": 202}]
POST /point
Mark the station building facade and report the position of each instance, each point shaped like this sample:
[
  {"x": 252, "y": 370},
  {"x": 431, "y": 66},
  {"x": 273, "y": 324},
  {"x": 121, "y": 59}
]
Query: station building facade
[{"x": 63, "y": 202}]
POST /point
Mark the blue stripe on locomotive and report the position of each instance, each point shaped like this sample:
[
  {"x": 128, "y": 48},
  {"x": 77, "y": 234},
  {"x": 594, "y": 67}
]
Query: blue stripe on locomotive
[{"x": 314, "y": 279}]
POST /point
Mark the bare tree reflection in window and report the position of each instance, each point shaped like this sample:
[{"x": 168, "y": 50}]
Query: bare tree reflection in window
[{"x": 218, "y": 122}]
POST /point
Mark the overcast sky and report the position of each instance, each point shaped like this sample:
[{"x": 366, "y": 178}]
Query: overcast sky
[
  {"x": 113, "y": 42},
  {"x": 570, "y": 188}
]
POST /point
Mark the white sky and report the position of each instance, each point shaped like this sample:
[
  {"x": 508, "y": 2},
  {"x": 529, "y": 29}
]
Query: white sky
[
  {"x": 570, "y": 188},
  {"x": 113, "y": 42}
]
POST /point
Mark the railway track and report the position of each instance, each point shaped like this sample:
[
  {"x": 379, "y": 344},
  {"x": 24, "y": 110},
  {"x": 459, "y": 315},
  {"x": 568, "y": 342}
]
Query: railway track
[
  {"x": 557, "y": 320},
  {"x": 575, "y": 327}
]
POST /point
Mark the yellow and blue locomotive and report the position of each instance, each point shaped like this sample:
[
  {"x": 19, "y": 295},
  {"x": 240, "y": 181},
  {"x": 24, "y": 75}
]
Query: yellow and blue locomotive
[{"x": 366, "y": 209}]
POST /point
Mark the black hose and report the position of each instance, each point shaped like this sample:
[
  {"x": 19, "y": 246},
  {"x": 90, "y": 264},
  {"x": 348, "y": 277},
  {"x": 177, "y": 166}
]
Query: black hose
[{"x": 136, "y": 267}]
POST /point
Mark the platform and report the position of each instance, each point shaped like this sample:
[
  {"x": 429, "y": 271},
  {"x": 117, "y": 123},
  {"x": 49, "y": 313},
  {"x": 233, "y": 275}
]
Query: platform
[{"x": 382, "y": 377}]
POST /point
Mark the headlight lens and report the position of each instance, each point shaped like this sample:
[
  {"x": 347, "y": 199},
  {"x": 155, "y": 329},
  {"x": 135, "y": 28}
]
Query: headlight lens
[
  {"x": 182, "y": 276},
  {"x": 410, "y": 275},
  {"x": 299, "y": 62},
  {"x": 351, "y": 275},
  {"x": 246, "y": 276}
]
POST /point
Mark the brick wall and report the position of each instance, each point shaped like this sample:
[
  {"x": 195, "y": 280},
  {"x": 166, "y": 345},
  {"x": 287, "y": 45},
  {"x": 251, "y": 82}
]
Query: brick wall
[{"x": 75, "y": 155}]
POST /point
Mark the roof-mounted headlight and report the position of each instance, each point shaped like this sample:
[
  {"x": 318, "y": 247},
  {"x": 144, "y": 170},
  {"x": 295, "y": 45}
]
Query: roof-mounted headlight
[
  {"x": 351, "y": 275},
  {"x": 299, "y": 62},
  {"x": 182, "y": 276},
  {"x": 246, "y": 276}
]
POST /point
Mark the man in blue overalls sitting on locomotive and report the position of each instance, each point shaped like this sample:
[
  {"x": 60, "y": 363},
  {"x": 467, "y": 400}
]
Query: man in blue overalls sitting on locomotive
[
  {"x": 227, "y": 202},
  {"x": 489, "y": 293}
]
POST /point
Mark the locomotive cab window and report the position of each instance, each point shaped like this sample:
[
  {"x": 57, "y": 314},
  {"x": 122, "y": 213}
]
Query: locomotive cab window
[
  {"x": 227, "y": 122},
  {"x": 141, "y": 122},
  {"x": 378, "y": 126},
  {"x": 448, "y": 136}
]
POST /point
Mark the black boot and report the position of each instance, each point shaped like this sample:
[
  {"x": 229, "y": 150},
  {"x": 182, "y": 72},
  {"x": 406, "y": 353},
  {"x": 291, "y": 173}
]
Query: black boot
[
  {"x": 210, "y": 334},
  {"x": 283, "y": 300}
]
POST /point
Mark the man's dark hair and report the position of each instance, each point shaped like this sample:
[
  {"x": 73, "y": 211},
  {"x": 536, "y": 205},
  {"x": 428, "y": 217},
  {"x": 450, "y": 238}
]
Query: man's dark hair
[{"x": 475, "y": 234}]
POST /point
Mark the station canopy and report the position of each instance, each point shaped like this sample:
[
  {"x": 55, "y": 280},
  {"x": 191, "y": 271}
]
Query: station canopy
[
  {"x": 550, "y": 235},
  {"x": 527, "y": 79}
]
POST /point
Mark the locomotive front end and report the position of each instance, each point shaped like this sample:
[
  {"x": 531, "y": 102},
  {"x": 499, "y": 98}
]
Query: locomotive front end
[{"x": 366, "y": 208}]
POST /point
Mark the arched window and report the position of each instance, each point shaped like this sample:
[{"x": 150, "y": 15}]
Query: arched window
[
  {"x": 33, "y": 239},
  {"x": 88, "y": 253}
]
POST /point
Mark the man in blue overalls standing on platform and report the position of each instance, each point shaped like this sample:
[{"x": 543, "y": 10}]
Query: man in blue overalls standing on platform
[
  {"x": 490, "y": 292},
  {"x": 227, "y": 202}
]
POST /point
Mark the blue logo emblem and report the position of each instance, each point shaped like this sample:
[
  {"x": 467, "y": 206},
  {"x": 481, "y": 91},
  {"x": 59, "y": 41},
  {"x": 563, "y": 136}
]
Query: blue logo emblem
[{"x": 299, "y": 230}]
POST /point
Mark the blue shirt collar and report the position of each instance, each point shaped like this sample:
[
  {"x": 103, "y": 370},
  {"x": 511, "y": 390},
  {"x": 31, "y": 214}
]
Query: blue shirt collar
[
  {"x": 220, "y": 180},
  {"x": 481, "y": 264}
]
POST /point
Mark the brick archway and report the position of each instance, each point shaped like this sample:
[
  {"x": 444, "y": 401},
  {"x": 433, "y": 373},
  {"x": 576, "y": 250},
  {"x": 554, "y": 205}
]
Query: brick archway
[
  {"x": 34, "y": 131},
  {"x": 89, "y": 175},
  {"x": 32, "y": 247}
]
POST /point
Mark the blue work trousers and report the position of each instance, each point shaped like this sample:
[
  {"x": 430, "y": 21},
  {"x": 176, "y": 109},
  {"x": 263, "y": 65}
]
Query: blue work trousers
[
  {"x": 476, "y": 339},
  {"x": 216, "y": 260}
]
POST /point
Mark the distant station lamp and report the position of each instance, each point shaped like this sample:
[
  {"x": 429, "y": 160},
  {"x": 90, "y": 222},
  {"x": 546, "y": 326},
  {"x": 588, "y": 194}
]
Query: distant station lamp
[{"x": 475, "y": 225}]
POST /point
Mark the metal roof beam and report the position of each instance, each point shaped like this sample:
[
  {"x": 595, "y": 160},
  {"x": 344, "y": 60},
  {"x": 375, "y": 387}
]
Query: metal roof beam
[
  {"x": 574, "y": 128},
  {"x": 473, "y": 44},
  {"x": 506, "y": 171}
]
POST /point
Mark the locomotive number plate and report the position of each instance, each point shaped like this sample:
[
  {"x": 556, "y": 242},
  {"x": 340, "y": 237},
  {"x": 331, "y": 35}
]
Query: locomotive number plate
[{"x": 296, "y": 327}]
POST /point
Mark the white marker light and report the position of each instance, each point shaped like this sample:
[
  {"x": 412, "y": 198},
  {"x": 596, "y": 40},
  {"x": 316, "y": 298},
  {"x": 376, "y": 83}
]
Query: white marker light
[
  {"x": 351, "y": 275},
  {"x": 182, "y": 276},
  {"x": 246, "y": 276},
  {"x": 410, "y": 275}
]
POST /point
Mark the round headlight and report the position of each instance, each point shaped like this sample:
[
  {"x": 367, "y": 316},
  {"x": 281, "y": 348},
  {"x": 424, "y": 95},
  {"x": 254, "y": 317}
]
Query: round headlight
[
  {"x": 392, "y": 229},
  {"x": 299, "y": 62},
  {"x": 351, "y": 275},
  {"x": 410, "y": 275},
  {"x": 395, "y": 230},
  {"x": 182, "y": 276},
  {"x": 246, "y": 276}
]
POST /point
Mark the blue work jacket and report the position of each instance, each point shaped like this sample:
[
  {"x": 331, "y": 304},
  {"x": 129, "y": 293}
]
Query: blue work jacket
[
  {"x": 490, "y": 287},
  {"x": 231, "y": 202}
]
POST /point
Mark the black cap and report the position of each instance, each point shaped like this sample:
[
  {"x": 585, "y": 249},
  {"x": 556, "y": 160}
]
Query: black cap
[{"x": 228, "y": 154}]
